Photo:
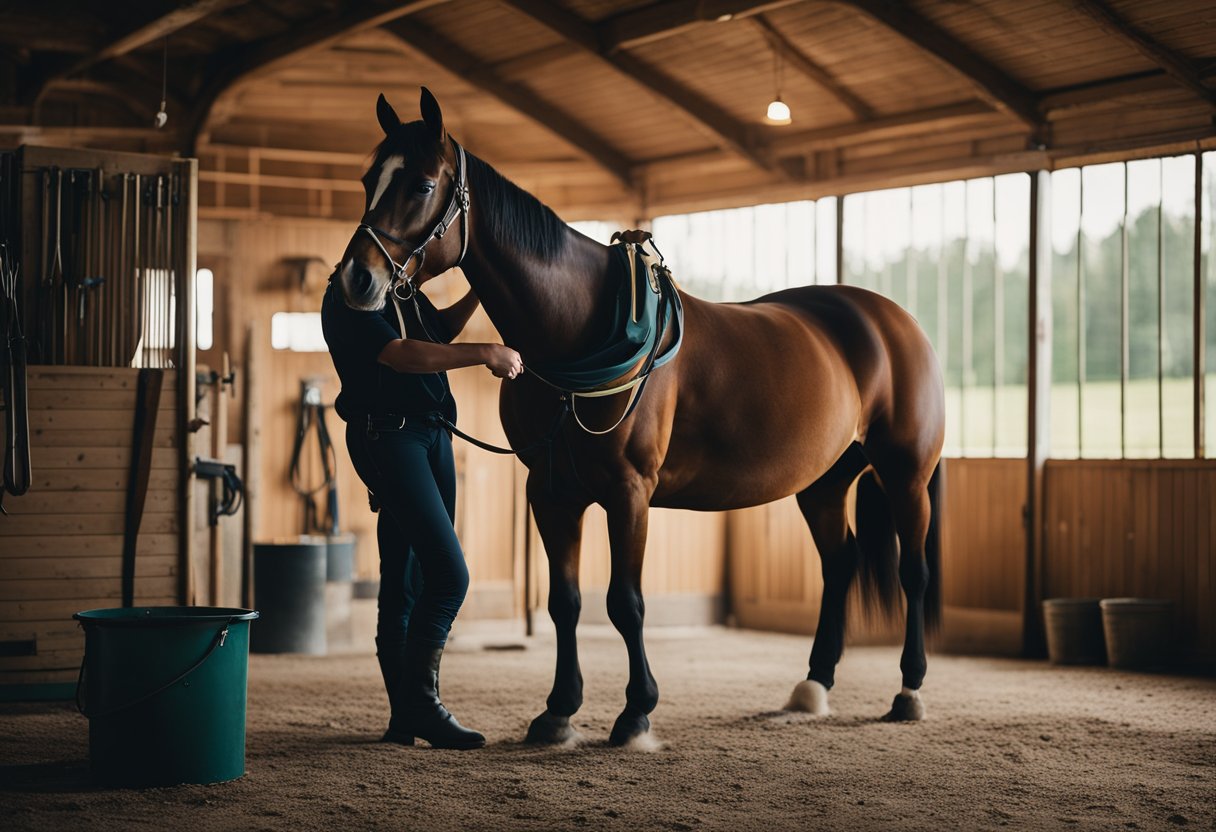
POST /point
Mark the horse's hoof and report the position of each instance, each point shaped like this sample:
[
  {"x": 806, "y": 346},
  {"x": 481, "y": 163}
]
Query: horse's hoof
[
  {"x": 630, "y": 726},
  {"x": 809, "y": 697},
  {"x": 549, "y": 729},
  {"x": 907, "y": 707}
]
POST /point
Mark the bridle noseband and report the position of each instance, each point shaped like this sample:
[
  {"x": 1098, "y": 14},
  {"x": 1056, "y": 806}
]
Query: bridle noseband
[{"x": 458, "y": 208}]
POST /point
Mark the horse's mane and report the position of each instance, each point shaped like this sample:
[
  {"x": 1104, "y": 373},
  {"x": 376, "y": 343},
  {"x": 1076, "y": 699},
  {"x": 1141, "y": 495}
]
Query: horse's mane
[{"x": 514, "y": 218}]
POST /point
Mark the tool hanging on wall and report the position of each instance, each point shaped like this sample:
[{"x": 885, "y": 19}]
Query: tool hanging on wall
[
  {"x": 107, "y": 267},
  {"x": 13, "y": 345},
  {"x": 312, "y": 412}
]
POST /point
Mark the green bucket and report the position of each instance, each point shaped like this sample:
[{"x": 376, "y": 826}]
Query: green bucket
[{"x": 164, "y": 691}]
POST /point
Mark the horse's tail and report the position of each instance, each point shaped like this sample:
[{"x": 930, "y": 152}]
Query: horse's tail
[{"x": 881, "y": 592}]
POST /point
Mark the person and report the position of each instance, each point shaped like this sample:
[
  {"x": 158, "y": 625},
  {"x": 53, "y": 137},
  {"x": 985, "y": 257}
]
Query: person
[{"x": 394, "y": 384}]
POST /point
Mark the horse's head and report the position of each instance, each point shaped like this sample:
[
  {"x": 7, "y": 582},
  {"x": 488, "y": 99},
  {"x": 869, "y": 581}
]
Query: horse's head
[{"x": 416, "y": 193}]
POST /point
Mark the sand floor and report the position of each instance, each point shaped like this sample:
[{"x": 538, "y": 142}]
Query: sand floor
[{"x": 1007, "y": 743}]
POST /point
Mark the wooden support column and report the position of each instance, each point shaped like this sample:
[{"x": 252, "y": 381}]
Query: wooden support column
[
  {"x": 186, "y": 368},
  {"x": 1200, "y": 336},
  {"x": 1038, "y": 437}
]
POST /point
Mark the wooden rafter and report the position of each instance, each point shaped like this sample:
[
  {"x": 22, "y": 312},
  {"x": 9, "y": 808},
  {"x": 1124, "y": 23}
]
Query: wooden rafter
[
  {"x": 1175, "y": 65},
  {"x": 703, "y": 113},
  {"x": 159, "y": 27},
  {"x": 990, "y": 82},
  {"x": 900, "y": 126},
  {"x": 263, "y": 56},
  {"x": 661, "y": 20},
  {"x": 434, "y": 47},
  {"x": 799, "y": 60}
]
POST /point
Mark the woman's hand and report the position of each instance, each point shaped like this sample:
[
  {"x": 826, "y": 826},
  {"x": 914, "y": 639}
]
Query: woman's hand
[{"x": 503, "y": 361}]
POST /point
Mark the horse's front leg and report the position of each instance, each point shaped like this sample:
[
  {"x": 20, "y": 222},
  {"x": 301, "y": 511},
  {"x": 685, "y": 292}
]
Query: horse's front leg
[
  {"x": 560, "y": 523},
  {"x": 627, "y": 522}
]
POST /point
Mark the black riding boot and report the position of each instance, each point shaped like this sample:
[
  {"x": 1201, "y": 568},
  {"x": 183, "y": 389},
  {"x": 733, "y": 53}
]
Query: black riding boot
[
  {"x": 417, "y": 711},
  {"x": 392, "y": 668}
]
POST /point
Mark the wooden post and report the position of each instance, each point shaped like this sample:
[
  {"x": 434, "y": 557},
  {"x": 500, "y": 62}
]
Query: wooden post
[
  {"x": 1038, "y": 438},
  {"x": 219, "y": 449},
  {"x": 186, "y": 366},
  {"x": 252, "y": 459}
]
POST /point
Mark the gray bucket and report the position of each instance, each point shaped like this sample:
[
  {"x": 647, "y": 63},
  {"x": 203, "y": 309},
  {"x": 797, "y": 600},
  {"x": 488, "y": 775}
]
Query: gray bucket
[
  {"x": 340, "y": 557},
  {"x": 289, "y": 591},
  {"x": 1074, "y": 631},
  {"x": 1139, "y": 632}
]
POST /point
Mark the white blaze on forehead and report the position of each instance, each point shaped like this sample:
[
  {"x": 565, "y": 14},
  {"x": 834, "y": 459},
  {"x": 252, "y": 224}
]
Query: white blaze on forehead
[{"x": 391, "y": 165}]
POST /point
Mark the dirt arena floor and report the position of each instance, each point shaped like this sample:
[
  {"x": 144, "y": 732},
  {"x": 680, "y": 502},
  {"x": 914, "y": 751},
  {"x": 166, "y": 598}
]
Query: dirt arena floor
[{"x": 1007, "y": 743}]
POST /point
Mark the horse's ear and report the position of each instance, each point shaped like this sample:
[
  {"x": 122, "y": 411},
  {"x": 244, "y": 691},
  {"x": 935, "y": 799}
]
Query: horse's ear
[
  {"x": 432, "y": 115},
  {"x": 386, "y": 115}
]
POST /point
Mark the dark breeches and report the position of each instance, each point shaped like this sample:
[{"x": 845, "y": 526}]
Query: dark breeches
[{"x": 423, "y": 575}]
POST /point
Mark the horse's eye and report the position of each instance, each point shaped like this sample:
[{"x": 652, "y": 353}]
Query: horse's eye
[{"x": 424, "y": 188}]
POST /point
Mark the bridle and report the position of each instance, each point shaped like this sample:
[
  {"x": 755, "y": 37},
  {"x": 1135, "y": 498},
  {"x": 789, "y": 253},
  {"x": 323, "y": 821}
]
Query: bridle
[{"x": 458, "y": 208}]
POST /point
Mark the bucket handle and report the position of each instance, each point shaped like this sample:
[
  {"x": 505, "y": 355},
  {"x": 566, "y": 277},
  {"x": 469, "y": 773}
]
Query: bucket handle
[{"x": 220, "y": 637}]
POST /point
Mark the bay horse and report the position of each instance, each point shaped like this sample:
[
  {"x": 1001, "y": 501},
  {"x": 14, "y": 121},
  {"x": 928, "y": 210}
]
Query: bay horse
[{"x": 799, "y": 392}]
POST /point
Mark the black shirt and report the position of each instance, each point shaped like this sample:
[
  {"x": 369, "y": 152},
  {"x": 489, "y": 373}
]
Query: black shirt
[{"x": 357, "y": 338}]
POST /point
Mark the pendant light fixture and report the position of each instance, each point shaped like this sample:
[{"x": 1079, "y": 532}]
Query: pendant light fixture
[{"x": 778, "y": 110}]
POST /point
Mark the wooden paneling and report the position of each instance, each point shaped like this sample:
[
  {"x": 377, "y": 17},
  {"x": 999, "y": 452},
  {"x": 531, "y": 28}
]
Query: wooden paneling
[
  {"x": 1137, "y": 528},
  {"x": 61, "y": 545},
  {"x": 776, "y": 583}
]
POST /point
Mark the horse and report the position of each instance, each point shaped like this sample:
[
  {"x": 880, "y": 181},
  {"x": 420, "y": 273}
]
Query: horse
[{"x": 799, "y": 392}]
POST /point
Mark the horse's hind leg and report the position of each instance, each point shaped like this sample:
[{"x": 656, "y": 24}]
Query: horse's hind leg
[
  {"x": 824, "y": 509},
  {"x": 560, "y": 524},
  {"x": 907, "y": 484}
]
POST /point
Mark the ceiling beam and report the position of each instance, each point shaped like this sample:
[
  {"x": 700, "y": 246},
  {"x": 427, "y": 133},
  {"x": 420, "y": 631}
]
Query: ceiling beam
[
  {"x": 1175, "y": 65},
  {"x": 262, "y": 57},
  {"x": 159, "y": 27},
  {"x": 662, "y": 20},
  {"x": 797, "y": 59},
  {"x": 716, "y": 123},
  {"x": 439, "y": 50},
  {"x": 951, "y": 117},
  {"x": 990, "y": 82}
]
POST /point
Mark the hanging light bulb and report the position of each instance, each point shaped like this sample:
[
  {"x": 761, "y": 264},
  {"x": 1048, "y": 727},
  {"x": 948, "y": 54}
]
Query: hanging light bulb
[{"x": 778, "y": 110}]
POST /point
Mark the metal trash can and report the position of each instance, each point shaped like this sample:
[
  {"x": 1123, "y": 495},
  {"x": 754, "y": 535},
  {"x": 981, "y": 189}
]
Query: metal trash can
[{"x": 289, "y": 592}]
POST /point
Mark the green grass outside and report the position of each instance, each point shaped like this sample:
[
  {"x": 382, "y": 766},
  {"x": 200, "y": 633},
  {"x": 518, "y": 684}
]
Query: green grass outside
[{"x": 993, "y": 421}]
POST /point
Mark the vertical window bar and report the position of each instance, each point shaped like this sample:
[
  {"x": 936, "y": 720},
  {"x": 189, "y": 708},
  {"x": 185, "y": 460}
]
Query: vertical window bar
[
  {"x": 943, "y": 293},
  {"x": 1124, "y": 280},
  {"x": 1160, "y": 312},
  {"x": 910, "y": 259},
  {"x": 1080, "y": 311},
  {"x": 840, "y": 239},
  {"x": 998, "y": 327},
  {"x": 1199, "y": 345},
  {"x": 965, "y": 347}
]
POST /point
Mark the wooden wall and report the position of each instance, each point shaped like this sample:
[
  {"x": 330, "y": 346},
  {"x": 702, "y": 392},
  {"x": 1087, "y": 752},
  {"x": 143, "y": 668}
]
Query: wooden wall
[
  {"x": 776, "y": 583},
  {"x": 61, "y": 545},
  {"x": 1137, "y": 528}
]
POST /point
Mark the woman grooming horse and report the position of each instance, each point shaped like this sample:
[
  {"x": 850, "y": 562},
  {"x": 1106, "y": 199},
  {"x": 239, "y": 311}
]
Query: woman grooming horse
[
  {"x": 392, "y": 363},
  {"x": 798, "y": 392}
]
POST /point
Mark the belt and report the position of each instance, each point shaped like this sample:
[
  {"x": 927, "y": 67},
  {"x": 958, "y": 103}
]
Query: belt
[{"x": 378, "y": 423}]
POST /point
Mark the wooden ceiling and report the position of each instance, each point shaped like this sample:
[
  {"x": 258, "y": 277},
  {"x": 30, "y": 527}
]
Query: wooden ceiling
[{"x": 617, "y": 109}]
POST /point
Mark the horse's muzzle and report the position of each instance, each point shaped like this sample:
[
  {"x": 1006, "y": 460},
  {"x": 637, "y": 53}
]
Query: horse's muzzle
[{"x": 360, "y": 287}]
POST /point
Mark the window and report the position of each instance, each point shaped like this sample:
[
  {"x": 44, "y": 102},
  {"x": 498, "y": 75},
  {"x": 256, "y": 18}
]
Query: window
[
  {"x": 204, "y": 308},
  {"x": 956, "y": 256},
  {"x": 297, "y": 331},
  {"x": 1123, "y": 374},
  {"x": 741, "y": 253}
]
